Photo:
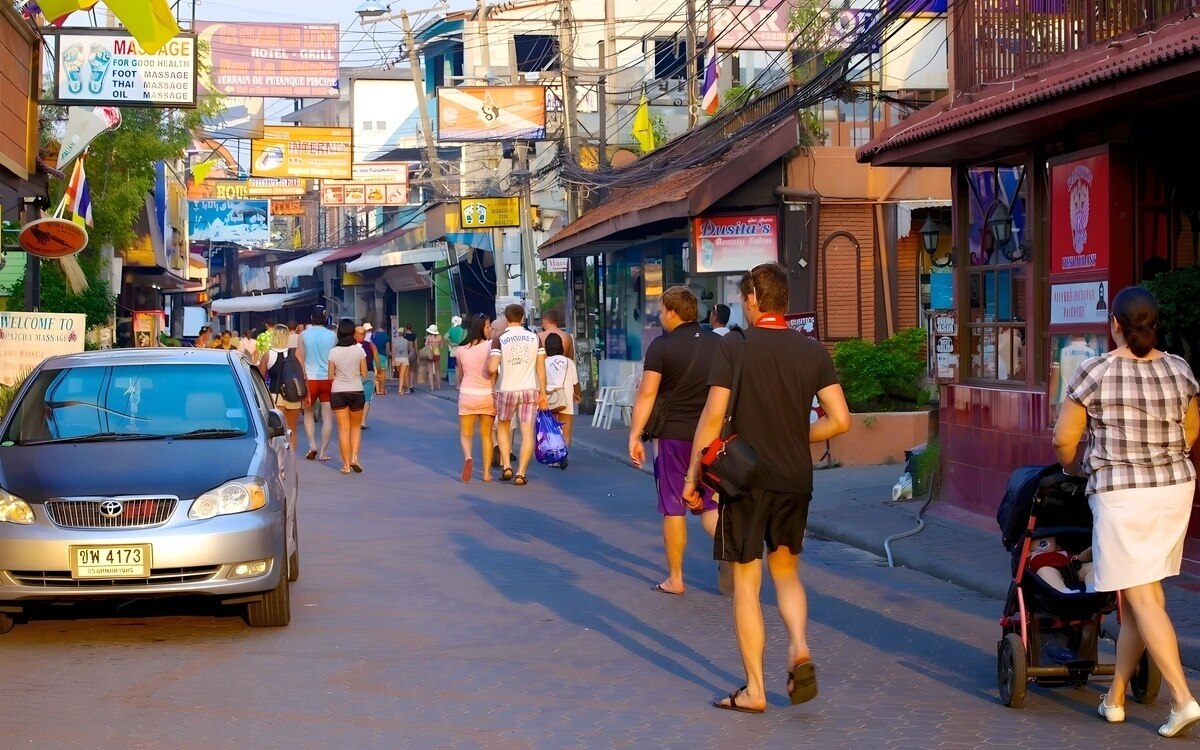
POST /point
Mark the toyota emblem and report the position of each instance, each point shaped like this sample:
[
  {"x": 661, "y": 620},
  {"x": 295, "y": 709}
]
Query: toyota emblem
[{"x": 111, "y": 508}]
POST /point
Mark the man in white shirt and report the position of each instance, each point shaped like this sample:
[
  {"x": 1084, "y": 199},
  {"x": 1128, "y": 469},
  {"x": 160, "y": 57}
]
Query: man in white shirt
[
  {"x": 718, "y": 319},
  {"x": 518, "y": 357}
]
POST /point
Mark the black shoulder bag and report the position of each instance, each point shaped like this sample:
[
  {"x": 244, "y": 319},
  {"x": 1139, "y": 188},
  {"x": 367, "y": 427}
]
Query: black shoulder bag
[
  {"x": 729, "y": 464},
  {"x": 657, "y": 420}
]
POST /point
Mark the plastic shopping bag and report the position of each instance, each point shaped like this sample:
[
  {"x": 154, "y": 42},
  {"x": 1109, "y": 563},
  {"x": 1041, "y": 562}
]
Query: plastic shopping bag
[{"x": 550, "y": 447}]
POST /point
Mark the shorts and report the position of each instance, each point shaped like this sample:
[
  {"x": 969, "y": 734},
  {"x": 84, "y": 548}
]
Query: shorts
[
  {"x": 319, "y": 390},
  {"x": 369, "y": 387},
  {"x": 757, "y": 516},
  {"x": 483, "y": 404},
  {"x": 401, "y": 362},
  {"x": 279, "y": 402},
  {"x": 523, "y": 404},
  {"x": 671, "y": 459},
  {"x": 352, "y": 400},
  {"x": 451, "y": 362},
  {"x": 383, "y": 364}
]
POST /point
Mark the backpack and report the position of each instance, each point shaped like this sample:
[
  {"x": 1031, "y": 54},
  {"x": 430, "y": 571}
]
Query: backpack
[{"x": 291, "y": 384}]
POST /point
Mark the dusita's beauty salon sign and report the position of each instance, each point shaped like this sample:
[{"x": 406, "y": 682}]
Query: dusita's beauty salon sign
[
  {"x": 1079, "y": 208},
  {"x": 734, "y": 243}
]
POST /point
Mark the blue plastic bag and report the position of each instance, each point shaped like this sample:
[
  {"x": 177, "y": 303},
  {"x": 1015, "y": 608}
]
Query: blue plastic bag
[{"x": 550, "y": 447}]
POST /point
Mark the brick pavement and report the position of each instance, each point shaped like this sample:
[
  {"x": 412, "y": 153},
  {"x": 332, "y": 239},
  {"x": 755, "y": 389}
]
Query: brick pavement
[{"x": 432, "y": 614}]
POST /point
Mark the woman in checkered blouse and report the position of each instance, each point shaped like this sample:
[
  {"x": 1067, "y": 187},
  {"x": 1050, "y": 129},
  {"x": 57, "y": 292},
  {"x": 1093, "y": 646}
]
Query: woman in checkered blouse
[{"x": 1140, "y": 406}]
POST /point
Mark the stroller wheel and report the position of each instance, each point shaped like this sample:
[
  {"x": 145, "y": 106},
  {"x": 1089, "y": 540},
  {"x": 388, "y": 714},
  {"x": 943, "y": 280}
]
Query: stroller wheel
[
  {"x": 1011, "y": 670},
  {"x": 1146, "y": 680}
]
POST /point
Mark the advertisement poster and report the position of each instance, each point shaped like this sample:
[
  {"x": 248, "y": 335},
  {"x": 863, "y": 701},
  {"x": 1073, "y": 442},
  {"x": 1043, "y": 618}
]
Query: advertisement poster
[
  {"x": 943, "y": 351},
  {"x": 1067, "y": 352},
  {"x": 491, "y": 113},
  {"x": 240, "y": 117},
  {"x": 381, "y": 184},
  {"x": 321, "y": 153},
  {"x": 1079, "y": 216},
  {"x": 28, "y": 338},
  {"x": 145, "y": 328},
  {"x": 255, "y": 187},
  {"x": 109, "y": 68},
  {"x": 490, "y": 212},
  {"x": 245, "y": 222},
  {"x": 1085, "y": 303},
  {"x": 285, "y": 60},
  {"x": 735, "y": 243},
  {"x": 805, "y": 323}
]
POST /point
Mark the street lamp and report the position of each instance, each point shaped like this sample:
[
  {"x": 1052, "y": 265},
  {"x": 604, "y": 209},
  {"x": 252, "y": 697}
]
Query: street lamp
[
  {"x": 930, "y": 234},
  {"x": 1001, "y": 225}
]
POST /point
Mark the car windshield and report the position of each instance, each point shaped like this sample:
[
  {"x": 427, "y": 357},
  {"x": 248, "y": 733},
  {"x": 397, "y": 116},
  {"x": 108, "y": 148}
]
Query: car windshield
[{"x": 129, "y": 402}]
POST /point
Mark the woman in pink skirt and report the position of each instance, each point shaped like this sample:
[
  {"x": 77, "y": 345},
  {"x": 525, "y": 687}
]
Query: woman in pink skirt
[
  {"x": 475, "y": 403},
  {"x": 1140, "y": 406}
]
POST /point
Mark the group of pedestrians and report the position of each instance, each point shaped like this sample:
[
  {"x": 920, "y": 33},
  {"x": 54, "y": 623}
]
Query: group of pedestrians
[{"x": 700, "y": 388}]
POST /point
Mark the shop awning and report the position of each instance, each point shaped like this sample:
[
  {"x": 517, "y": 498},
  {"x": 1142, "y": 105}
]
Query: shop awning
[
  {"x": 263, "y": 302},
  {"x": 294, "y": 269},
  {"x": 678, "y": 195},
  {"x": 407, "y": 279},
  {"x": 427, "y": 254},
  {"x": 1106, "y": 82},
  {"x": 350, "y": 252}
]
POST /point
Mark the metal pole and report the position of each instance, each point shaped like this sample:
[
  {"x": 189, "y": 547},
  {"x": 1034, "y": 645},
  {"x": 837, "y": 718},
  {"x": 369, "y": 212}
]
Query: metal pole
[
  {"x": 33, "y": 264},
  {"x": 602, "y": 111},
  {"x": 690, "y": 67},
  {"x": 566, "y": 54},
  {"x": 528, "y": 251},
  {"x": 414, "y": 61}
]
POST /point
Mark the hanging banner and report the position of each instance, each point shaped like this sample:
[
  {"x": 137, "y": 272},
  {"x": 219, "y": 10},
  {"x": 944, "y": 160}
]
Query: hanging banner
[
  {"x": 285, "y": 60},
  {"x": 322, "y": 153},
  {"x": 241, "y": 222},
  {"x": 491, "y": 113},
  {"x": 372, "y": 184},
  {"x": 84, "y": 125},
  {"x": 107, "y": 66},
  {"x": 28, "y": 338},
  {"x": 734, "y": 243},
  {"x": 1079, "y": 215}
]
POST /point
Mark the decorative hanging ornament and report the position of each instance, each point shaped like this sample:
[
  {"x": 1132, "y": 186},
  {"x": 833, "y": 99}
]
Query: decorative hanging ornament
[{"x": 52, "y": 238}]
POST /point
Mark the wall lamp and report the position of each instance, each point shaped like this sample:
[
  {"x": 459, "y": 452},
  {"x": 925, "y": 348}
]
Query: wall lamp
[{"x": 931, "y": 233}]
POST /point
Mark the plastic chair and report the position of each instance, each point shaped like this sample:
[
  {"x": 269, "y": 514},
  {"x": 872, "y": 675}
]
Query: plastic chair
[{"x": 621, "y": 399}]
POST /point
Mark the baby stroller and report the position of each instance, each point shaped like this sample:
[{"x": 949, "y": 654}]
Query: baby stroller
[{"x": 1050, "y": 637}]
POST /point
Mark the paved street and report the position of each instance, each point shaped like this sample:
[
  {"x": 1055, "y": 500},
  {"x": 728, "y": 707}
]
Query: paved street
[{"x": 432, "y": 614}]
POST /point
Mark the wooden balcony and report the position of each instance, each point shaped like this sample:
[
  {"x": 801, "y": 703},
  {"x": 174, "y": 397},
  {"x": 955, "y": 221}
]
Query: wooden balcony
[{"x": 997, "y": 38}]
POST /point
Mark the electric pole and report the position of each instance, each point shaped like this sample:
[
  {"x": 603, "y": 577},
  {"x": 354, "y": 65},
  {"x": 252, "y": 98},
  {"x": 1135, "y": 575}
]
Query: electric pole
[
  {"x": 414, "y": 61},
  {"x": 566, "y": 60},
  {"x": 689, "y": 61}
]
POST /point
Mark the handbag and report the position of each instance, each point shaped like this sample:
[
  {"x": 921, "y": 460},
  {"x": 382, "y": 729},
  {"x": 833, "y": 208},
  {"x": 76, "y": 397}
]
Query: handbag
[
  {"x": 426, "y": 353},
  {"x": 556, "y": 400},
  {"x": 657, "y": 421},
  {"x": 729, "y": 465}
]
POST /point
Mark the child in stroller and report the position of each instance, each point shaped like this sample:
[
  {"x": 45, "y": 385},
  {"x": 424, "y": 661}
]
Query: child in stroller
[{"x": 1051, "y": 625}]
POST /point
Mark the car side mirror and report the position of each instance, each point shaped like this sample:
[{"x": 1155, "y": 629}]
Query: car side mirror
[{"x": 276, "y": 427}]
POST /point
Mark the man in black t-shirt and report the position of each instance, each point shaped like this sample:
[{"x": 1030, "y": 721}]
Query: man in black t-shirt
[
  {"x": 782, "y": 370},
  {"x": 675, "y": 383}
]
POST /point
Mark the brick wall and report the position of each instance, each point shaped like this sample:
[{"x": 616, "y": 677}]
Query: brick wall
[
  {"x": 908, "y": 261},
  {"x": 849, "y": 276}
]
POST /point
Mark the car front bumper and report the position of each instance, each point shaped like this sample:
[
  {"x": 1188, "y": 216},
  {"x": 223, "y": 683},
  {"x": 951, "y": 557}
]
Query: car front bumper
[{"x": 187, "y": 557}]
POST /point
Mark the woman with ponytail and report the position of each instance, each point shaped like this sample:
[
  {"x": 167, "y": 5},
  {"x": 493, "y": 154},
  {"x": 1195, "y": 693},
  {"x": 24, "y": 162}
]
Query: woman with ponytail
[{"x": 1139, "y": 405}]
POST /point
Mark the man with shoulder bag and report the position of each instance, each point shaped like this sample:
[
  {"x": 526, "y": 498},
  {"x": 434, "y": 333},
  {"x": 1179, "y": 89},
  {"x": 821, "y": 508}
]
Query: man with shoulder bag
[
  {"x": 666, "y": 410},
  {"x": 752, "y": 441}
]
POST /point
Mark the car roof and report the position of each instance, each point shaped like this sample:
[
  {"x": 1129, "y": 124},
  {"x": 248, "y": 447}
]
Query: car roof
[{"x": 166, "y": 355}]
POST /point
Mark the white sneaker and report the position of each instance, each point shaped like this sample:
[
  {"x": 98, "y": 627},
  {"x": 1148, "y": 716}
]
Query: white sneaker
[
  {"x": 1179, "y": 721},
  {"x": 1111, "y": 714}
]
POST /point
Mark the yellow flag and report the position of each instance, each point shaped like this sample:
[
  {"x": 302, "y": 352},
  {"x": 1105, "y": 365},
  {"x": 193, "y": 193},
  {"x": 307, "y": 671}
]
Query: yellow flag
[
  {"x": 53, "y": 9},
  {"x": 643, "y": 129},
  {"x": 149, "y": 21},
  {"x": 200, "y": 171}
]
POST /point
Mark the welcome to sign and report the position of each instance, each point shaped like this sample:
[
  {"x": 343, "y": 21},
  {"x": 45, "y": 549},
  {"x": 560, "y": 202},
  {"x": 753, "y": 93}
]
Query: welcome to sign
[{"x": 26, "y": 339}]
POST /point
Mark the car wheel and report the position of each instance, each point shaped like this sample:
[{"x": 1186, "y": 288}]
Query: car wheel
[
  {"x": 6, "y": 623},
  {"x": 274, "y": 610}
]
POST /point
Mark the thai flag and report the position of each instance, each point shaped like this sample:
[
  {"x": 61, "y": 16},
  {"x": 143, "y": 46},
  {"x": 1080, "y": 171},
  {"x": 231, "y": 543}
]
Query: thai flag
[
  {"x": 79, "y": 195},
  {"x": 710, "y": 101}
]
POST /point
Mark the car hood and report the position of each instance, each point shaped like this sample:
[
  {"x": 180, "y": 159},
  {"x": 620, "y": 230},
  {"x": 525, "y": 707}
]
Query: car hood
[{"x": 184, "y": 468}]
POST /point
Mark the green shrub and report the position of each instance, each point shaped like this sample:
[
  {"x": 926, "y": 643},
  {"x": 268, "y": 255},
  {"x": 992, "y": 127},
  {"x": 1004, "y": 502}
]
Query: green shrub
[
  {"x": 884, "y": 376},
  {"x": 1178, "y": 295}
]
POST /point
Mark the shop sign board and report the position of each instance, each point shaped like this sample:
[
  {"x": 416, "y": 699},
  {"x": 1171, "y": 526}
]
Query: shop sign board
[
  {"x": 489, "y": 212},
  {"x": 735, "y": 243},
  {"x": 805, "y": 323},
  {"x": 944, "y": 345},
  {"x": 27, "y": 338},
  {"x": 1080, "y": 202},
  {"x": 285, "y": 60},
  {"x": 108, "y": 67},
  {"x": 287, "y": 207},
  {"x": 1083, "y": 303},
  {"x": 491, "y": 113},
  {"x": 371, "y": 184},
  {"x": 245, "y": 222},
  {"x": 321, "y": 153},
  {"x": 255, "y": 187},
  {"x": 558, "y": 265}
]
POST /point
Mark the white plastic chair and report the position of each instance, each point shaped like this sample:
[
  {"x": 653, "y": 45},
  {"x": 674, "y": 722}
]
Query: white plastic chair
[{"x": 621, "y": 400}]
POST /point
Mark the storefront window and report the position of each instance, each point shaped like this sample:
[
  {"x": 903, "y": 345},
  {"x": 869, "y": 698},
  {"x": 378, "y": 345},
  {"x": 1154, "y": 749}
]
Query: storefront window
[
  {"x": 996, "y": 327},
  {"x": 996, "y": 192}
]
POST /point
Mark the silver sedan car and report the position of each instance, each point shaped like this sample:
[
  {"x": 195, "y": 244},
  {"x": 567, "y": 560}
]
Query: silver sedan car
[{"x": 131, "y": 474}]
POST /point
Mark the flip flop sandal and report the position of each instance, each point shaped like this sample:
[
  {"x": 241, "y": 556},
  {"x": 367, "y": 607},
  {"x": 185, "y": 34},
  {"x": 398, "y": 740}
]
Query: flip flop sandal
[
  {"x": 345, "y": 470},
  {"x": 659, "y": 588},
  {"x": 468, "y": 465},
  {"x": 802, "y": 683},
  {"x": 310, "y": 455},
  {"x": 506, "y": 475},
  {"x": 356, "y": 467},
  {"x": 520, "y": 480},
  {"x": 733, "y": 706}
]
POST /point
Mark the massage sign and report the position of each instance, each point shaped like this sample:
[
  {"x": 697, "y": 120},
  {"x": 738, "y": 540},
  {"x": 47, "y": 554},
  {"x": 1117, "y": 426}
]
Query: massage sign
[{"x": 108, "y": 67}]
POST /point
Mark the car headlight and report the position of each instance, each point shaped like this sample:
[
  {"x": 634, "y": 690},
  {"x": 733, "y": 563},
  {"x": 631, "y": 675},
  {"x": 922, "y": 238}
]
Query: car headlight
[
  {"x": 14, "y": 510},
  {"x": 237, "y": 496}
]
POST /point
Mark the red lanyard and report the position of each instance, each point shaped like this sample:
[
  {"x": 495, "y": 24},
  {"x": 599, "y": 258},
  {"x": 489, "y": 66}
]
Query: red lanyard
[{"x": 772, "y": 320}]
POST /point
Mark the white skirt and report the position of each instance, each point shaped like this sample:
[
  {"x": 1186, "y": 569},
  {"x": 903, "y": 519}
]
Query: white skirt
[{"x": 1137, "y": 535}]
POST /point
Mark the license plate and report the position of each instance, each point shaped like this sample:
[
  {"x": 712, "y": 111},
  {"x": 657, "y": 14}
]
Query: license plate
[{"x": 126, "y": 561}]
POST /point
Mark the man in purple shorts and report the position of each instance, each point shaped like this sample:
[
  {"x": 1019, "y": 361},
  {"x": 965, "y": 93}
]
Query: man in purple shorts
[{"x": 668, "y": 406}]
